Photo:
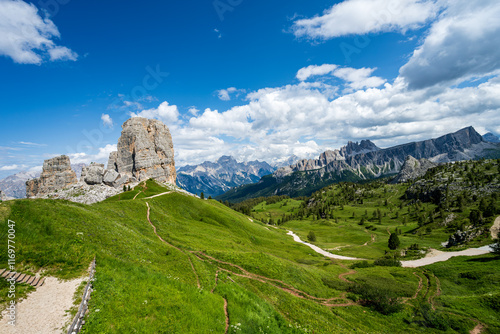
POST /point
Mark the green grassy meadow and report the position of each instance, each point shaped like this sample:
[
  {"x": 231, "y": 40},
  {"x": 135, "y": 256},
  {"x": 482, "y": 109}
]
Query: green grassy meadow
[{"x": 212, "y": 255}]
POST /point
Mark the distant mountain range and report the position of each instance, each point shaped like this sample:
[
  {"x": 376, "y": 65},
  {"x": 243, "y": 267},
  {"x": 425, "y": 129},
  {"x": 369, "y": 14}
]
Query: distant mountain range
[
  {"x": 490, "y": 137},
  {"x": 15, "y": 185},
  {"x": 364, "y": 161},
  {"x": 215, "y": 178}
]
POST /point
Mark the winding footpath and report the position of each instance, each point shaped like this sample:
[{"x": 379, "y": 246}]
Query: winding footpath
[
  {"x": 319, "y": 250},
  {"x": 438, "y": 256}
]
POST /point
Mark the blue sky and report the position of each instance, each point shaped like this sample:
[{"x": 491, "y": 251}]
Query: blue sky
[{"x": 253, "y": 79}]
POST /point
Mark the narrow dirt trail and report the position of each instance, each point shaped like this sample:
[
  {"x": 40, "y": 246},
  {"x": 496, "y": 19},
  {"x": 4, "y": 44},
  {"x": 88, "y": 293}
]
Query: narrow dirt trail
[
  {"x": 145, "y": 187},
  {"x": 478, "y": 329},
  {"x": 216, "y": 280},
  {"x": 271, "y": 281},
  {"x": 420, "y": 285},
  {"x": 246, "y": 274},
  {"x": 189, "y": 258},
  {"x": 158, "y": 195},
  {"x": 343, "y": 275},
  {"x": 227, "y": 315},
  {"x": 191, "y": 262}
]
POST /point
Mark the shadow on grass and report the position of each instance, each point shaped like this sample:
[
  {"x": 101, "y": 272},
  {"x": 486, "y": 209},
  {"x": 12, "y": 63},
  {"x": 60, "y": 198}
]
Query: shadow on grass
[{"x": 484, "y": 259}]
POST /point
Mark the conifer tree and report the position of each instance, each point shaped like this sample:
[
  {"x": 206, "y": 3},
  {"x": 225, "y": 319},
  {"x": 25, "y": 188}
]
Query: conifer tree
[{"x": 393, "y": 241}]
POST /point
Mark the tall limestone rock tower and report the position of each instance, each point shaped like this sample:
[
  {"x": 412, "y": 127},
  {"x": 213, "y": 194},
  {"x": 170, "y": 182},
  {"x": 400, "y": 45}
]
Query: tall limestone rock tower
[
  {"x": 145, "y": 150},
  {"x": 57, "y": 175}
]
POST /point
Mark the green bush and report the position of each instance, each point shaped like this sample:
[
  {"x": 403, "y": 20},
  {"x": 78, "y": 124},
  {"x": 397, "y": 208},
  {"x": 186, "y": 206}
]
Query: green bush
[
  {"x": 492, "y": 301},
  {"x": 387, "y": 262},
  {"x": 362, "y": 264},
  {"x": 382, "y": 300},
  {"x": 311, "y": 236}
]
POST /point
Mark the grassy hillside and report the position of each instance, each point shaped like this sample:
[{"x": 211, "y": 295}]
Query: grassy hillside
[
  {"x": 357, "y": 219},
  {"x": 203, "y": 257}
]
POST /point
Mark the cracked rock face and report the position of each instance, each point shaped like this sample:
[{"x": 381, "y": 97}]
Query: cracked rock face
[
  {"x": 145, "y": 150},
  {"x": 56, "y": 175},
  {"x": 93, "y": 174},
  {"x": 413, "y": 169}
]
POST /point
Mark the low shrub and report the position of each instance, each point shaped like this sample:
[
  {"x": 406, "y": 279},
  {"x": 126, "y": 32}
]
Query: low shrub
[
  {"x": 362, "y": 264},
  {"x": 387, "y": 262},
  {"x": 382, "y": 300}
]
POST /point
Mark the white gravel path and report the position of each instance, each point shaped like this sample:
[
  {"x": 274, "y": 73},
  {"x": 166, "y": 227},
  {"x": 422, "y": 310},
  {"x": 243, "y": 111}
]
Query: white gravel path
[
  {"x": 44, "y": 310},
  {"x": 319, "y": 250},
  {"x": 438, "y": 256}
]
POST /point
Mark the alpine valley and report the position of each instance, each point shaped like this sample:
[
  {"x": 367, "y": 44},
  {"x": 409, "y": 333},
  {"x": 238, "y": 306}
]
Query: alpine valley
[
  {"x": 364, "y": 161},
  {"x": 377, "y": 257}
]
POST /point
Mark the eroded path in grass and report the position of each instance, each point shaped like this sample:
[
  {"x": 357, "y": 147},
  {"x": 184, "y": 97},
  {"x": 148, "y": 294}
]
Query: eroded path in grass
[
  {"x": 190, "y": 261},
  {"x": 319, "y": 250},
  {"x": 168, "y": 243},
  {"x": 241, "y": 272}
]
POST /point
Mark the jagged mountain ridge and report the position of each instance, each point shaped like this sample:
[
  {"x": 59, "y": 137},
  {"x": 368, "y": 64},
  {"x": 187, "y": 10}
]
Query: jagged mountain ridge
[
  {"x": 328, "y": 157},
  {"x": 215, "y": 178},
  {"x": 356, "y": 162}
]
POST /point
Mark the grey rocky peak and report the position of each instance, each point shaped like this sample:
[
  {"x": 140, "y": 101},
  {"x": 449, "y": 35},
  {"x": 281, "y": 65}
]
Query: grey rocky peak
[
  {"x": 15, "y": 185},
  {"x": 56, "y": 175},
  {"x": 491, "y": 138},
  {"x": 145, "y": 150},
  {"x": 327, "y": 157},
  {"x": 413, "y": 169},
  {"x": 93, "y": 174},
  {"x": 358, "y": 148},
  {"x": 215, "y": 178}
]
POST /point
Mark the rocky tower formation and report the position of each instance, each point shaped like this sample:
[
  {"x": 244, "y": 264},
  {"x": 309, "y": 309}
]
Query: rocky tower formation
[
  {"x": 56, "y": 175},
  {"x": 145, "y": 150}
]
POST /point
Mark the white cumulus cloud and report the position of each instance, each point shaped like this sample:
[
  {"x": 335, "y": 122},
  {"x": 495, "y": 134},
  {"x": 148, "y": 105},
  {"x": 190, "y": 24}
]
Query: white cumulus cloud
[
  {"x": 107, "y": 120},
  {"x": 359, "y": 78},
  {"x": 461, "y": 44},
  {"x": 367, "y": 16},
  {"x": 225, "y": 94},
  {"x": 315, "y": 70},
  {"x": 12, "y": 167},
  {"x": 168, "y": 114},
  {"x": 101, "y": 156},
  {"x": 28, "y": 38}
]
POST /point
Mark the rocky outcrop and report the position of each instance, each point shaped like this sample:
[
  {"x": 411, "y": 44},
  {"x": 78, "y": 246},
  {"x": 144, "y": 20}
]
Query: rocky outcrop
[
  {"x": 413, "y": 169},
  {"x": 93, "y": 174},
  {"x": 56, "y": 175},
  {"x": 145, "y": 150},
  {"x": 112, "y": 161}
]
